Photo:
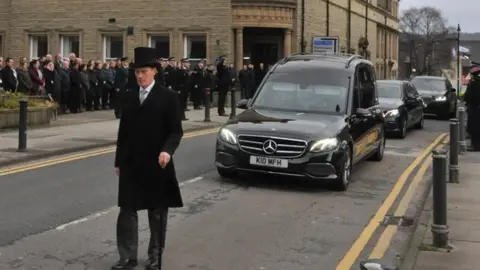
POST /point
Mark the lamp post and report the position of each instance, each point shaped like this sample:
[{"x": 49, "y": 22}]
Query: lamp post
[{"x": 458, "y": 67}]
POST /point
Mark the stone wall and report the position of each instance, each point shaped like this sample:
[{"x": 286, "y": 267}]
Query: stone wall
[
  {"x": 89, "y": 20},
  {"x": 35, "y": 117}
]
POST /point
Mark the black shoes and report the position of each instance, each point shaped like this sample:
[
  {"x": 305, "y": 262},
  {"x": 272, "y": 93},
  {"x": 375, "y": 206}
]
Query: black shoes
[
  {"x": 125, "y": 265},
  {"x": 154, "y": 264}
]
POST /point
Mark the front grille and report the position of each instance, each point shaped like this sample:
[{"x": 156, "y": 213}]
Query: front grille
[{"x": 289, "y": 148}]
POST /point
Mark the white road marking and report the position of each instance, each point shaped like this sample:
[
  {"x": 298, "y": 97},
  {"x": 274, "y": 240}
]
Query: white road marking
[{"x": 102, "y": 213}]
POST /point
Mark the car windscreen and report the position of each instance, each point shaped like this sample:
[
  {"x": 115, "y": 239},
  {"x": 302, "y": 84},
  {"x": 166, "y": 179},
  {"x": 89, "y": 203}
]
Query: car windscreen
[
  {"x": 389, "y": 90},
  {"x": 305, "y": 90},
  {"x": 428, "y": 84}
]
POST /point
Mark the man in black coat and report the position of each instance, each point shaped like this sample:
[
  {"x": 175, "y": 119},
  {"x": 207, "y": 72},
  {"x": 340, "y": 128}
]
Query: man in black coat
[
  {"x": 472, "y": 100},
  {"x": 224, "y": 81},
  {"x": 8, "y": 76},
  {"x": 120, "y": 85},
  {"x": 149, "y": 133}
]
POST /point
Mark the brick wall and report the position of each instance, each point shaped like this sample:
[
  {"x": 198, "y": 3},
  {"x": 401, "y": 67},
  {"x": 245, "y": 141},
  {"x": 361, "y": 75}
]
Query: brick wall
[{"x": 92, "y": 15}]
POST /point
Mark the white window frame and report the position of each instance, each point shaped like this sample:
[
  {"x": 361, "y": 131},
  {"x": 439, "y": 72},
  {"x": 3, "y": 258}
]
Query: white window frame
[
  {"x": 33, "y": 40},
  {"x": 186, "y": 38},
  {"x": 105, "y": 38},
  {"x": 62, "y": 44},
  {"x": 152, "y": 36}
]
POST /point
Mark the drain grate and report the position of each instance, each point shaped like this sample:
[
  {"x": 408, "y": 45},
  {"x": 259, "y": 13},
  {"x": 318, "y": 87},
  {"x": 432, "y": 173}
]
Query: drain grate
[{"x": 400, "y": 221}]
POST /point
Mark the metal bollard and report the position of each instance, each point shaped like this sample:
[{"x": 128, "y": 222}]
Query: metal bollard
[
  {"x": 439, "y": 227},
  {"x": 22, "y": 128},
  {"x": 233, "y": 106},
  {"x": 462, "y": 130},
  {"x": 453, "y": 168},
  {"x": 207, "y": 106}
]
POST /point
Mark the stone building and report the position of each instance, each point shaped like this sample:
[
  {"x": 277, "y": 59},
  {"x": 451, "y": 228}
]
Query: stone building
[{"x": 251, "y": 30}]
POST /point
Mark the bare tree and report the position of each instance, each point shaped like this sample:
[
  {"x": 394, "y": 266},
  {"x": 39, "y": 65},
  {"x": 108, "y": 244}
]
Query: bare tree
[{"x": 424, "y": 31}]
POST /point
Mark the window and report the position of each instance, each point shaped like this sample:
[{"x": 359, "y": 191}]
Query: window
[
  {"x": 365, "y": 86},
  {"x": 320, "y": 90},
  {"x": 161, "y": 44},
  {"x": 389, "y": 90},
  {"x": 38, "y": 46},
  {"x": 113, "y": 47},
  {"x": 427, "y": 84},
  {"x": 195, "y": 48},
  {"x": 69, "y": 44}
]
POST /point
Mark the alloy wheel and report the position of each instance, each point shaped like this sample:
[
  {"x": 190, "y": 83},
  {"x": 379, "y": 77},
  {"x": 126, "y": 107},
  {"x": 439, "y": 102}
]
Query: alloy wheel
[
  {"x": 347, "y": 169},
  {"x": 404, "y": 128}
]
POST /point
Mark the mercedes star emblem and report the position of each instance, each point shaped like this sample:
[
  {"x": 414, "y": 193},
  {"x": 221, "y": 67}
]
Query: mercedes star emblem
[{"x": 269, "y": 147}]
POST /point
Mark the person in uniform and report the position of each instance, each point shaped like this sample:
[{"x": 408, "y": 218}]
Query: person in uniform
[
  {"x": 224, "y": 81},
  {"x": 472, "y": 100},
  {"x": 170, "y": 74},
  {"x": 149, "y": 133},
  {"x": 184, "y": 84},
  {"x": 198, "y": 80},
  {"x": 120, "y": 85},
  {"x": 160, "y": 78}
]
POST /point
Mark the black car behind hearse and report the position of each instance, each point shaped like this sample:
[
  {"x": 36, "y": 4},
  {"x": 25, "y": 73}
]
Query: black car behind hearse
[
  {"x": 402, "y": 106},
  {"x": 313, "y": 116},
  {"x": 438, "y": 95}
]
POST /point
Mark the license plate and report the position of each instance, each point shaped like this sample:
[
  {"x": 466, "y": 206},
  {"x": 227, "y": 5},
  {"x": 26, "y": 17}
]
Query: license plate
[{"x": 269, "y": 162}]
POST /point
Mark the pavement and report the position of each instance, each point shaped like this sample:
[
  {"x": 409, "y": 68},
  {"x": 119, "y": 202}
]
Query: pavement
[
  {"x": 78, "y": 132},
  {"x": 61, "y": 214},
  {"x": 464, "y": 225}
]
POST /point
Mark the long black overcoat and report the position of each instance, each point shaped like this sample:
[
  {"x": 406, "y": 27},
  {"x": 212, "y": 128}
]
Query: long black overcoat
[{"x": 145, "y": 131}]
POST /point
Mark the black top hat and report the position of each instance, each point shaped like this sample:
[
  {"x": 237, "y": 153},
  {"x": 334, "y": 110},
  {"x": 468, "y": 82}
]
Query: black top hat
[
  {"x": 145, "y": 57},
  {"x": 124, "y": 59}
]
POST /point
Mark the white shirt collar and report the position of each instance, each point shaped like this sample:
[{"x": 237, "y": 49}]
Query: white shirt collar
[{"x": 149, "y": 88}]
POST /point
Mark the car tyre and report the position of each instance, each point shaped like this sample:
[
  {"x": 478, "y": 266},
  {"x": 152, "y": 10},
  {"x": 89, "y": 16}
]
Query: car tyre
[
  {"x": 343, "y": 180},
  {"x": 403, "y": 128},
  {"x": 420, "y": 123},
  {"x": 226, "y": 173},
  {"x": 378, "y": 155}
]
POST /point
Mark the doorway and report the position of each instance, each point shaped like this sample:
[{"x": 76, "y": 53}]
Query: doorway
[
  {"x": 263, "y": 45},
  {"x": 266, "y": 53}
]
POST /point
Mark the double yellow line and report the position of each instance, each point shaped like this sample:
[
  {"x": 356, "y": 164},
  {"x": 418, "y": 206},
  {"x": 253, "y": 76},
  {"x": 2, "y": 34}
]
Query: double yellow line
[
  {"x": 385, "y": 239},
  {"x": 97, "y": 152}
]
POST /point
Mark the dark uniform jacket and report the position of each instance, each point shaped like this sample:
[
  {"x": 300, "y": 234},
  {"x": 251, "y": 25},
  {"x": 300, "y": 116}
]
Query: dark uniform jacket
[
  {"x": 171, "y": 78},
  {"x": 160, "y": 77},
  {"x": 145, "y": 131},
  {"x": 131, "y": 79},
  {"x": 121, "y": 78}
]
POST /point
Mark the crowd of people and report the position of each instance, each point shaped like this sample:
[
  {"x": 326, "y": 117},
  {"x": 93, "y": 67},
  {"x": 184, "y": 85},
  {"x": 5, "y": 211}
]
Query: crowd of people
[{"x": 79, "y": 86}]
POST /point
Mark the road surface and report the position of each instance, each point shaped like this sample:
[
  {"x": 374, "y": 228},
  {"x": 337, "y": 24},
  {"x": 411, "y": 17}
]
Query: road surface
[{"x": 63, "y": 216}]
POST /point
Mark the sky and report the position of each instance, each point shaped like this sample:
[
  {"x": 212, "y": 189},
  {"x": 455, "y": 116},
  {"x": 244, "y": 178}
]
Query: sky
[{"x": 455, "y": 13}]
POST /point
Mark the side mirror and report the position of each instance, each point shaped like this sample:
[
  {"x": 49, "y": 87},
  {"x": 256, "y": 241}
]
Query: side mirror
[
  {"x": 242, "y": 104},
  {"x": 453, "y": 90},
  {"x": 360, "y": 112}
]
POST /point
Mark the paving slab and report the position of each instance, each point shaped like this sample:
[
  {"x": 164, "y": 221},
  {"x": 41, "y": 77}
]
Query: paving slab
[{"x": 464, "y": 225}]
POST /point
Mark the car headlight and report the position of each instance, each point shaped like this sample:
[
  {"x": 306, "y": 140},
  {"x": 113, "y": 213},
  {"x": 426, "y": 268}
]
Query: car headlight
[
  {"x": 442, "y": 98},
  {"x": 393, "y": 112},
  {"x": 227, "y": 136},
  {"x": 324, "y": 145}
]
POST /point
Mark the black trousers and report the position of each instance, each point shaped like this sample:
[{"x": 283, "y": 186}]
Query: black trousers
[
  {"x": 106, "y": 96},
  {"x": 127, "y": 233},
  {"x": 117, "y": 100},
  {"x": 222, "y": 97},
  {"x": 182, "y": 99},
  {"x": 473, "y": 127}
]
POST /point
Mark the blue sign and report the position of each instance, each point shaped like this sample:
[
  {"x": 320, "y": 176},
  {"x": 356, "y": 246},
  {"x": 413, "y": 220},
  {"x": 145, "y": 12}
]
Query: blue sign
[{"x": 329, "y": 45}]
